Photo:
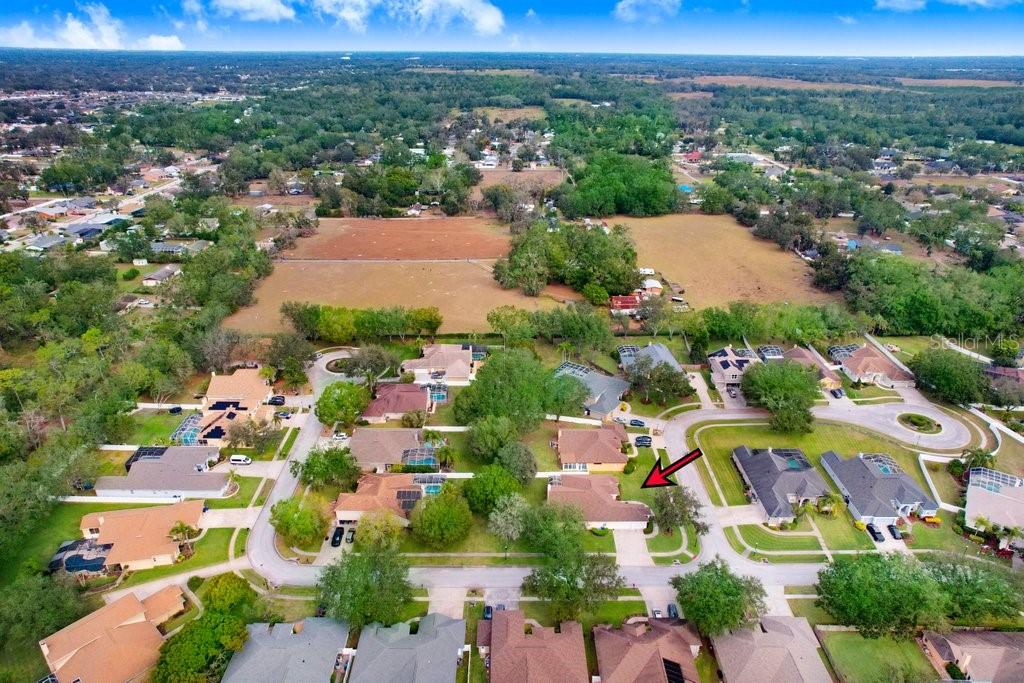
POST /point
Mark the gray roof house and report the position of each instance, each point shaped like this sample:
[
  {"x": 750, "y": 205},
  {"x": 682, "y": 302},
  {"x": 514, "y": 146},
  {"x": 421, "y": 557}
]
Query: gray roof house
[
  {"x": 604, "y": 391},
  {"x": 392, "y": 654},
  {"x": 168, "y": 472},
  {"x": 161, "y": 275},
  {"x": 286, "y": 653},
  {"x": 657, "y": 353},
  {"x": 781, "y": 478},
  {"x": 876, "y": 489},
  {"x": 46, "y": 242},
  {"x": 983, "y": 655},
  {"x": 774, "y": 649}
]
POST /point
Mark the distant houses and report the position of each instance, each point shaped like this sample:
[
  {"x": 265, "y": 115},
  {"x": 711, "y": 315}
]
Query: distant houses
[
  {"x": 161, "y": 275},
  {"x": 868, "y": 365},
  {"x": 876, "y": 490},
  {"x": 781, "y": 480},
  {"x": 656, "y": 354},
  {"x": 448, "y": 363},
  {"x": 828, "y": 379},
  {"x": 728, "y": 364}
]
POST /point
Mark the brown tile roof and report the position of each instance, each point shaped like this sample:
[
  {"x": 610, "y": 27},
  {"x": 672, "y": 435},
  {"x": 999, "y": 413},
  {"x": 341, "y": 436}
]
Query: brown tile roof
[
  {"x": 143, "y": 533},
  {"x": 597, "y": 495},
  {"x": 803, "y": 356},
  {"x": 451, "y": 358},
  {"x": 544, "y": 656},
  {"x": 397, "y": 398},
  {"x": 114, "y": 644},
  {"x": 635, "y": 652},
  {"x": 377, "y": 492},
  {"x": 595, "y": 446},
  {"x": 244, "y": 384},
  {"x": 869, "y": 360},
  {"x": 775, "y": 649},
  {"x": 371, "y": 446}
]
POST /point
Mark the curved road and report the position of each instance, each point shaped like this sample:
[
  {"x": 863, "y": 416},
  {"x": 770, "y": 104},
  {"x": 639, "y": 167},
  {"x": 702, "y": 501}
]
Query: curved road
[{"x": 265, "y": 559}]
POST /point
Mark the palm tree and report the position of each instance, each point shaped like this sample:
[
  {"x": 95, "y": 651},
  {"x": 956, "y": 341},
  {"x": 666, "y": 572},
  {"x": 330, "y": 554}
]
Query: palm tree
[
  {"x": 1011, "y": 533},
  {"x": 981, "y": 524},
  {"x": 831, "y": 504},
  {"x": 566, "y": 348},
  {"x": 182, "y": 533},
  {"x": 978, "y": 457}
]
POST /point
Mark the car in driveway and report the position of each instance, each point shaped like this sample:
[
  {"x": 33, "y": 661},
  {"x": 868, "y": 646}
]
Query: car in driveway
[
  {"x": 488, "y": 612},
  {"x": 837, "y": 393},
  {"x": 656, "y": 614},
  {"x": 875, "y": 534},
  {"x": 732, "y": 393},
  {"x": 637, "y": 423},
  {"x": 644, "y": 441},
  {"x": 277, "y": 400},
  {"x": 283, "y": 414},
  {"x": 336, "y": 537},
  {"x": 351, "y": 535},
  {"x": 673, "y": 611},
  {"x": 239, "y": 459},
  {"x": 894, "y": 532}
]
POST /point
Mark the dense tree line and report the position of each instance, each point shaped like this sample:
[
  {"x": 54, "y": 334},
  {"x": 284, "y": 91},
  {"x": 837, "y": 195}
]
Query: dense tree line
[{"x": 338, "y": 325}]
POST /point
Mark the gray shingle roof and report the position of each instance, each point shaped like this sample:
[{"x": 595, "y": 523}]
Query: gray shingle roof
[
  {"x": 658, "y": 354},
  {"x": 874, "y": 483},
  {"x": 393, "y": 654},
  {"x": 276, "y": 653},
  {"x": 604, "y": 391},
  {"x": 775, "y": 474}
]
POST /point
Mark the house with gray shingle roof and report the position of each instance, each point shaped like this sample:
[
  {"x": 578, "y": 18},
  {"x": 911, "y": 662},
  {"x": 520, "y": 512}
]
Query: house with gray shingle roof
[
  {"x": 982, "y": 655},
  {"x": 658, "y": 354},
  {"x": 46, "y": 242},
  {"x": 774, "y": 649},
  {"x": 876, "y": 490},
  {"x": 603, "y": 391},
  {"x": 303, "y": 651},
  {"x": 781, "y": 479},
  {"x": 393, "y": 654}
]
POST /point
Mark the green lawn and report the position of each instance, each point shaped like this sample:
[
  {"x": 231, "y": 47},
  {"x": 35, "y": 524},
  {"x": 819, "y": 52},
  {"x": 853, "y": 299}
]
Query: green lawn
[
  {"x": 210, "y": 549},
  {"x": 840, "y": 533},
  {"x": 788, "y": 559},
  {"x": 539, "y": 442},
  {"x": 111, "y": 463},
  {"x": 948, "y": 487},
  {"x": 862, "y": 660},
  {"x": 266, "y": 453},
  {"x": 464, "y": 460},
  {"x": 243, "y": 536},
  {"x": 909, "y": 346},
  {"x": 154, "y": 427},
  {"x": 472, "y": 613},
  {"x": 733, "y": 538},
  {"x": 629, "y": 484},
  {"x": 707, "y": 667},
  {"x": 444, "y": 414},
  {"x": 414, "y": 609},
  {"x": 810, "y": 589},
  {"x": 866, "y": 391},
  {"x": 33, "y": 553},
  {"x": 709, "y": 485},
  {"x": 288, "y": 443},
  {"x": 941, "y": 537},
  {"x": 758, "y": 537},
  {"x": 806, "y": 607},
  {"x": 1010, "y": 457},
  {"x": 663, "y": 543},
  {"x": 612, "y": 612},
  {"x": 246, "y": 489},
  {"x": 136, "y": 282}
]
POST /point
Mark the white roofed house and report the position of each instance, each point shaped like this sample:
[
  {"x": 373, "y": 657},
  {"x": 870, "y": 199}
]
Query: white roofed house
[
  {"x": 996, "y": 498},
  {"x": 162, "y": 275}
]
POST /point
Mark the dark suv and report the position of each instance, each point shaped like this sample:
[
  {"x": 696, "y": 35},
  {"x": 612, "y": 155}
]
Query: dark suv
[
  {"x": 339, "y": 532},
  {"x": 876, "y": 535}
]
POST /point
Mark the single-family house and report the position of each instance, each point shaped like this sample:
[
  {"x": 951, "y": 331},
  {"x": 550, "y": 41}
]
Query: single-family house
[
  {"x": 627, "y": 304},
  {"x": 657, "y": 354},
  {"x": 391, "y": 492},
  {"x": 377, "y": 449},
  {"x": 656, "y": 651},
  {"x": 544, "y": 655},
  {"x": 1000, "y": 373},
  {"x": 868, "y": 365},
  {"x": 876, "y": 490},
  {"x": 604, "y": 392},
  {"x": 118, "y": 642},
  {"x": 141, "y": 538},
  {"x": 306, "y": 650},
  {"x": 450, "y": 363},
  {"x": 651, "y": 287},
  {"x": 392, "y": 654},
  {"x": 43, "y": 243},
  {"x": 597, "y": 497},
  {"x": 83, "y": 232},
  {"x": 993, "y": 656},
  {"x": 595, "y": 449},
  {"x": 168, "y": 472},
  {"x": 995, "y": 496},
  {"x": 828, "y": 379},
  {"x": 728, "y": 364},
  {"x": 161, "y": 275},
  {"x": 395, "y": 400},
  {"x": 233, "y": 399},
  {"x": 774, "y": 649},
  {"x": 770, "y": 352},
  {"x": 780, "y": 479},
  {"x": 840, "y": 352},
  {"x": 52, "y": 212}
]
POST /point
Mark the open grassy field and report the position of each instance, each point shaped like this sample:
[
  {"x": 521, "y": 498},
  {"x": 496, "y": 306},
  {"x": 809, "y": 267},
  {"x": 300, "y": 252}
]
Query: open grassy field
[
  {"x": 862, "y": 660},
  {"x": 784, "y": 83},
  {"x": 463, "y": 291},
  {"x": 246, "y": 489},
  {"x": 531, "y": 180},
  {"x": 506, "y": 114},
  {"x": 1010, "y": 457},
  {"x": 403, "y": 239},
  {"x": 958, "y": 82},
  {"x": 692, "y": 95},
  {"x": 716, "y": 260},
  {"x": 152, "y": 427}
]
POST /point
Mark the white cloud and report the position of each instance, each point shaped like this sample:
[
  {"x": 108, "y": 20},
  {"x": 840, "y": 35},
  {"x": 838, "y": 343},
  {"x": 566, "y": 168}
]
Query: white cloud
[
  {"x": 193, "y": 9},
  {"x": 531, "y": 14},
  {"x": 256, "y": 10},
  {"x": 983, "y": 4},
  {"x": 900, "y": 5},
  {"x": 914, "y": 5},
  {"x": 846, "y": 19},
  {"x": 482, "y": 15},
  {"x": 158, "y": 42},
  {"x": 646, "y": 10},
  {"x": 97, "y": 30}
]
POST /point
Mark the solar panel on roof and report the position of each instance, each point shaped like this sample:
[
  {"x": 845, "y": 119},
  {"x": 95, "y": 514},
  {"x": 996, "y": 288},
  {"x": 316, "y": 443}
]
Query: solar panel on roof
[
  {"x": 407, "y": 504},
  {"x": 673, "y": 672}
]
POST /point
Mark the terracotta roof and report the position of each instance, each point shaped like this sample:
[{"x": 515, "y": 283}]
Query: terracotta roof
[
  {"x": 996, "y": 371},
  {"x": 397, "y": 398},
  {"x": 372, "y": 446},
  {"x": 377, "y": 492},
  {"x": 600, "y": 445},
  {"x": 544, "y": 656},
  {"x": 636, "y": 653},
  {"x": 867, "y": 360},
  {"x": 623, "y": 302},
  {"x": 597, "y": 495},
  {"x": 118, "y": 642},
  {"x": 803, "y": 356},
  {"x": 143, "y": 533},
  {"x": 451, "y": 358},
  {"x": 775, "y": 649}
]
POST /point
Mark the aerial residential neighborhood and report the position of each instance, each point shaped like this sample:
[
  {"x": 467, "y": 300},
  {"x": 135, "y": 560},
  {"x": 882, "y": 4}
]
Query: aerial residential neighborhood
[{"x": 457, "y": 341}]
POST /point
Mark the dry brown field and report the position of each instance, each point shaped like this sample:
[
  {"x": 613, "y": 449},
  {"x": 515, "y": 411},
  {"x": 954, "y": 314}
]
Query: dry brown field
[
  {"x": 716, "y": 261},
  {"x": 503, "y": 114},
  {"x": 463, "y": 291},
  {"x": 786, "y": 83},
  {"x": 692, "y": 95},
  {"x": 957, "y": 82},
  {"x": 533, "y": 181},
  {"x": 403, "y": 239}
]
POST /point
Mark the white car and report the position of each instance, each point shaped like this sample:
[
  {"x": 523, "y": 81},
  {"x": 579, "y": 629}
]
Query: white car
[{"x": 239, "y": 459}]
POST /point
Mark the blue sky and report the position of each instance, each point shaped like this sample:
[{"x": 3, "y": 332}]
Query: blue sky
[{"x": 771, "y": 27}]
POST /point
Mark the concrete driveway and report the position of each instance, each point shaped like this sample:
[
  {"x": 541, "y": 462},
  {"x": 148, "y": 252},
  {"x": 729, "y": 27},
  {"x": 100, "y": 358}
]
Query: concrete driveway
[
  {"x": 631, "y": 548},
  {"x": 229, "y": 518},
  {"x": 263, "y": 469},
  {"x": 447, "y": 601},
  {"x": 658, "y": 597},
  {"x": 740, "y": 514}
]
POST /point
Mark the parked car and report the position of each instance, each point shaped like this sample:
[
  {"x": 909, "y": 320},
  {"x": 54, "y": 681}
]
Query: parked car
[
  {"x": 837, "y": 393},
  {"x": 277, "y": 400},
  {"x": 339, "y": 532},
  {"x": 351, "y": 535},
  {"x": 876, "y": 535},
  {"x": 318, "y": 355},
  {"x": 283, "y": 414},
  {"x": 894, "y": 532},
  {"x": 637, "y": 423},
  {"x": 732, "y": 393},
  {"x": 488, "y": 612},
  {"x": 174, "y": 410},
  {"x": 673, "y": 611},
  {"x": 500, "y": 607},
  {"x": 238, "y": 459},
  {"x": 620, "y": 420},
  {"x": 644, "y": 441},
  {"x": 656, "y": 614}
]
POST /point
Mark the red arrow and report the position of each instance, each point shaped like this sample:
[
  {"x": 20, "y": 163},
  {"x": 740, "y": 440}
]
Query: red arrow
[{"x": 659, "y": 476}]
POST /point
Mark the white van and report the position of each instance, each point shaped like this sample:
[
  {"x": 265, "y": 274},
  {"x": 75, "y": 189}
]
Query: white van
[{"x": 240, "y": 460}]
